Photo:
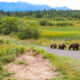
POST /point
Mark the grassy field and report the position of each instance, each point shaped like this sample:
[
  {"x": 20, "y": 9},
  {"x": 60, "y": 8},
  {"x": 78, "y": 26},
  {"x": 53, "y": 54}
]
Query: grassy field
[
  {"x": 54, "y": 34},
  {"x": 66, "y": 33},
  {"x": 58, "y": 30},
  {"x": 64, "y": 65},
  {"x": 9, "y": 52},
  {"x": 12, "y": 48}
]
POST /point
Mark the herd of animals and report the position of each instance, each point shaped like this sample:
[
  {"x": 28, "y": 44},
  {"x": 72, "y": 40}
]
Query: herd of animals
[{"x": 74, "y": 46}]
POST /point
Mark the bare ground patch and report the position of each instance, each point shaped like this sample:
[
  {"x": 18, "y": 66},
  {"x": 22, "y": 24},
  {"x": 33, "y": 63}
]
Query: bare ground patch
[{"x": 29, "y": 67}]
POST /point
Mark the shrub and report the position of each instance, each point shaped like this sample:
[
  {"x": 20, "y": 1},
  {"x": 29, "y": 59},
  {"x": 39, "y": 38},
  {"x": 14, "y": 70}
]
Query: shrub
[
  {"x": 45, "y": 23},
  {"x": 9, "y": 25},
  {"x": 64, "y": 24},
  {"x": 28, "y": 33},
  {"x": 50, "y": 23}
]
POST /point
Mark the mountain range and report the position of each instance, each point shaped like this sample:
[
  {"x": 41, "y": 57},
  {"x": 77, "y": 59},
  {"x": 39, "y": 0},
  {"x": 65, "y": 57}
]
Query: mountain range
[{"x": 24, "y": 6}]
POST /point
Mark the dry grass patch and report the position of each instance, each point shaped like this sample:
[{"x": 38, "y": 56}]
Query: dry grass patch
[{"x": 37, "y": 68}]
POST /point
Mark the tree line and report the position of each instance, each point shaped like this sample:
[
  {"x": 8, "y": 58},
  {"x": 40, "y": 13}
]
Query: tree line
[{"x": 54, "y": 14}]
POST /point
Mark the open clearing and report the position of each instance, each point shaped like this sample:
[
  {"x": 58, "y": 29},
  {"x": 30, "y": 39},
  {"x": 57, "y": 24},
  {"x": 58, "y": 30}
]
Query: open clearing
[{"x": 29, "y": 67}]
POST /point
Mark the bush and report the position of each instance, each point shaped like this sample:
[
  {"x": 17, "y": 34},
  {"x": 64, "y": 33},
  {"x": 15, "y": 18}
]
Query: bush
[
  {"x": 64, "y": 24},
  {"x": 45, "y": 23},
  {"x": 49, "y": 24},
  {"x": 9, "y": 25},
  {"x": 29, "y": 33}
]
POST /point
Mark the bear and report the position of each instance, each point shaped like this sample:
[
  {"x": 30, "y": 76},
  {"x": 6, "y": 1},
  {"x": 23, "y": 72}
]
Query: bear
[
  {"x": 53, "y": 46},
  {"x": 74, "y": 46},
  {"x": 62, "y": 46}
]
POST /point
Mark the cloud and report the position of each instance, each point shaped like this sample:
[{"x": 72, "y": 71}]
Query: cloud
[{"x": 73, "y": 4}]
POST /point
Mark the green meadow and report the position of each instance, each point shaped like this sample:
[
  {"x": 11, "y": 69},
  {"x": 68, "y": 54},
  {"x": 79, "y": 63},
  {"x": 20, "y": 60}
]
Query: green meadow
[
  {"x": 10, "y": 50},
  {"x": 18, "y": 40},
  {"x": 52, "y": 29},
  {"x": 66, "y": 33}
]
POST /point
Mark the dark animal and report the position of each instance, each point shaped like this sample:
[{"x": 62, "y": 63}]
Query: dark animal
[
  {"x": 62, "y": 46},
  {"x": 74, "y": 46},
  {"x": 53, "y": 46}
]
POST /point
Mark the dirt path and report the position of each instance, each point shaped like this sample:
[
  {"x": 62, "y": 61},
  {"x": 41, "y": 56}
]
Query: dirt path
[
  {"x": 28, "y": 67},
  {"x": 73, "y": 54}
]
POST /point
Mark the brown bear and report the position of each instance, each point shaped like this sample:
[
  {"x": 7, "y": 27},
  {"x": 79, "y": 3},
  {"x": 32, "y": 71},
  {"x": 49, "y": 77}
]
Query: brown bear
[
  {"x": 62, "y": 46},
  {"x": 74, "y": 46},
  {"x": 53, "y": 46}
]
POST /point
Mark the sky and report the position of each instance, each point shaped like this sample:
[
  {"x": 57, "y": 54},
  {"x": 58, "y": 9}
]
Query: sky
[{"x": 73, "y": 4}]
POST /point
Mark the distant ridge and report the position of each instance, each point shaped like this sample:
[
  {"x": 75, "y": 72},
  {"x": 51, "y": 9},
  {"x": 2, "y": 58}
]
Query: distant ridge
[
  {"x": 24, "y": 6},
  {"x": 62, "y": 8}
]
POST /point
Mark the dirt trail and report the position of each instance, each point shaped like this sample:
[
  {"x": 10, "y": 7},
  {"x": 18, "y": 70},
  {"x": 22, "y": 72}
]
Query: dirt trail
[
  {"x": 73, "y": 54},
  {"x": 37, "y": 69}
]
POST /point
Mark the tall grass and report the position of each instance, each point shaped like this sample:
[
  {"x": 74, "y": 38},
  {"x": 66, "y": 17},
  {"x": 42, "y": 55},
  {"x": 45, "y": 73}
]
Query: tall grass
[
  {"x": 65, "y": 66},
  {"x": 60, "y": 29},
  {"x": 9, "y": 52},
  {"x": 61, "y": 35},
  {"x": 3, "y": 73}
]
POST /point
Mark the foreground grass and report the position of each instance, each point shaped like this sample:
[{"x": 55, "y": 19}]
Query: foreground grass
[
  {"x": 68, "y": 70},
  {"x": 8, "y": 53},
  {"x": 65, "y": 65}
]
